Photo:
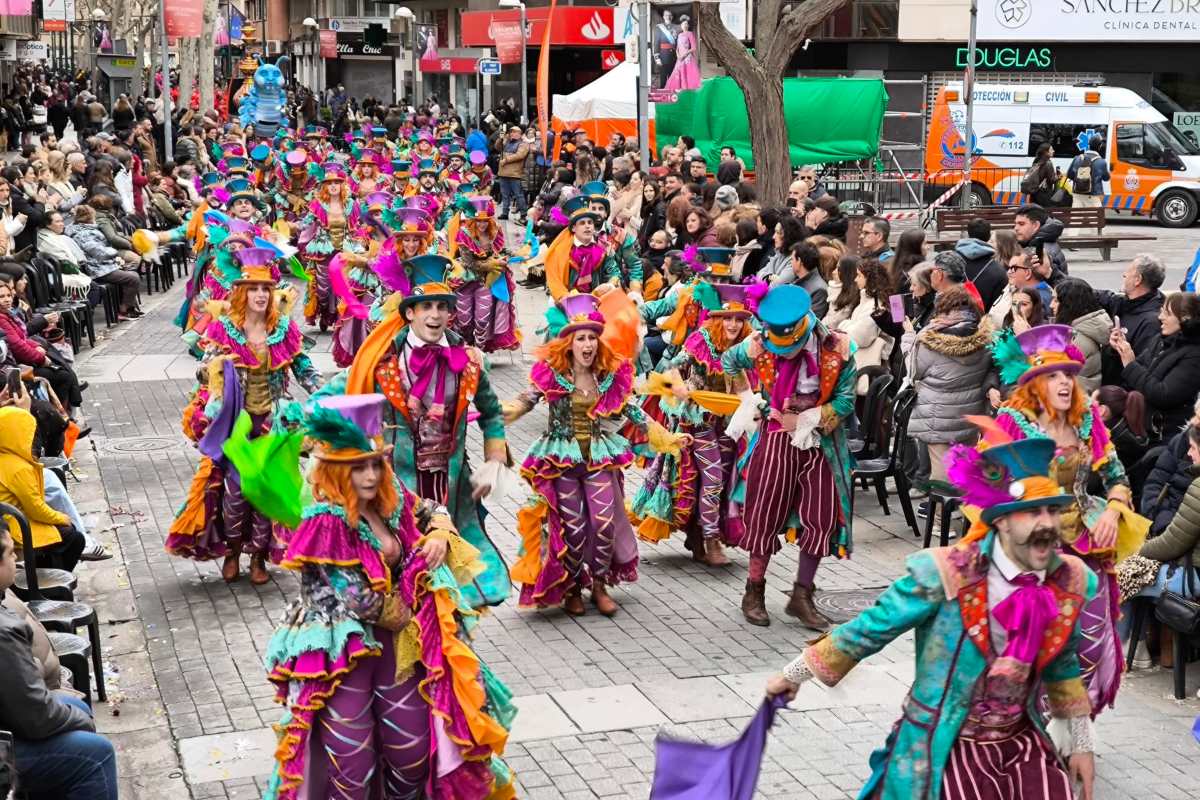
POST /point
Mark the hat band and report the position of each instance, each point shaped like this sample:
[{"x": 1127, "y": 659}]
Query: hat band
[{"x": 790, "y": 337}]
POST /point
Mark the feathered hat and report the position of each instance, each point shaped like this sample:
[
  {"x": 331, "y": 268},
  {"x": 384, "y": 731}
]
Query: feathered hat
[
  {"x": 333, "y": 171},
  {"x": 597, "y": 192},
  {"x": 261, "y": 154},
  {"x": 427, "y": 166},
  {"x": 579, "y": 208},
  {"x": 258, "y": 265},
  {"x": 427, "y": 274},
  {"x": 315, "y": 132},
  {"x": 234, "y": 165},
  {"x": 1001, "y": 475},
  {"x": 1047, "y": 348},
  {"x": 370, "y": 155},
  {"x": 426, "y": 202},
  {"x": 575, "y": 312},
  {"x": 734, "y": 301},
  {"x": 408, "y": 220},
  {"x": 378, "y": 201},
  {"x": 479, "y": 207},
  {"x": 401, "y": 168},
  {"x": 243, "y": 189},
  {"x": 716, "y": 260},
  {"x": 478, "y": 159},
  {"x": 348, "y": 427}
]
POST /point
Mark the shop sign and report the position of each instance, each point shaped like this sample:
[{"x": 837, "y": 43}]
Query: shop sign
[
  {"x": 359, "y": 48},
  {"x": 329, "y": 44},
  {"x": 458, "y": 65},
  {"x": 32, "y": 51},
  {"x": 8, "y": 49},
  {"x": 1028, "y": 58},
  {"x": 1188, "y": 123},
  {"x": 355, "y": 24},
  {"x": 573, "y": 25},
  {"x": 509, "y": 41},
  {"x": 183, "y": 17},
  {"x": 1115, "y": 21},
  {"x": 610, "y": 58},
  {"x": 56, "y": 14}
]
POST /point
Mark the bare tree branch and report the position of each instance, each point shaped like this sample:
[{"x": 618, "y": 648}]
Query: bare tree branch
[{"x": 790, "y": 30}]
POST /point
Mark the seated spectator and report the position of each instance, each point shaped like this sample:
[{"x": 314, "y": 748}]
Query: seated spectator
[
  {"x": 102, "y": 183},
  {"x": 1124, "y": 414},
  {"x": 910, "y": 251},
  {"x": 984, "y": 269},
  {"x": 870, "y": 287},
  {"x": 805, "y": 272},
  {"x": 59, "y": 185},
  {"x": 844, "y": 293},
  {"x": 12, "y": 223},
  {"x": 826, "y": 218},
  {"x": 1137, "y": 306},
  {"x": 58, "y": 753},
  {"x": 1167, "y": 375},
  {"x": 1026, "y": 312},
  {"x": 104, "y": 263},
  {"x": 46, "y": 362},
  {"x": 1021, "y": 275},
  {"x": 26, "y": 200},
  {"x": 161, "y": 201},
  {"x": 747, "y": 250},
  {"x": 1075, "y": 304},
  {"x": 923, "y": 294},
  {"x": 788, "y": 231},
  {"x": 950, "y": 363},
  {"x": 699, "y": 229},
  {"x": 22, "y": 485},
  {"x": 1169, "y": 477},
  {"x": 54, "y": 242}
]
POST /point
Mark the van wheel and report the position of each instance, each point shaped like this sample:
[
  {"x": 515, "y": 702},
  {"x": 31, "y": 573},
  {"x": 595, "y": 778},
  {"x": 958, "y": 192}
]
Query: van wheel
[
  {"x": 1176, "y": 209},
  {"x": 978, "y": 196}
]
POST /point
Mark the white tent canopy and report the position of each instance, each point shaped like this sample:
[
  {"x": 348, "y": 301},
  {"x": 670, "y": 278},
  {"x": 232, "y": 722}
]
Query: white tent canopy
[{"x": 611, "y": 96}]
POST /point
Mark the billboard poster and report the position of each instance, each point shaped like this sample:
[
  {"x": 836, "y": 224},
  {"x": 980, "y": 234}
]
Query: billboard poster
[{"x": 674, "y": 51}]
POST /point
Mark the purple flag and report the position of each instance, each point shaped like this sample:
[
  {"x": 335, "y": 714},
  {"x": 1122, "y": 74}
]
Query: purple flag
[
  {"x": 698, "y": 771},
  {"x": 220, "y": 427}
]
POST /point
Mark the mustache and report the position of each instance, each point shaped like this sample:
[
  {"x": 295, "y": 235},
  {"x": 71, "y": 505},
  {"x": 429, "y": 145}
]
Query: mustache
[{"x": 1041, "y": 533}]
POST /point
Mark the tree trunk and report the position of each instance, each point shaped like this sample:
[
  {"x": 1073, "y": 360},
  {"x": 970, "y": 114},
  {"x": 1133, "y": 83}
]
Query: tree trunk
[
  {"x": 188, "y": 60},
  {"x": 768, "y": 138},
  {"x": 139, "y": 74},
  {"x": 207, "y": 57}
]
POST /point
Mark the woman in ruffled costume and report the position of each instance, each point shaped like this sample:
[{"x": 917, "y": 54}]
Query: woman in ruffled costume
[
  {"x": 691, "y": 492},
  {"x": 368, "y": 176},
  {"x": 324, "y": 232},
  {"x": 1050, "y": 402},
  {"x": 482, "y": 279},
  {"x": 248, "y": 352},
  {"x": 352, "y": 279},
  {"x": 575, "y": 533},
  {"x": 385, "y": 697}
]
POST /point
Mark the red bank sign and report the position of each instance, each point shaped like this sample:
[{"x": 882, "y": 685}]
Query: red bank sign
[{"x": 573, "y": 25}]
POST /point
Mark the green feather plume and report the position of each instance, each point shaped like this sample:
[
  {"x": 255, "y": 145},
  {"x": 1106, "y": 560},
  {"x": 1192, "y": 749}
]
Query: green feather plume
[
  {"x": 315, "y": 171},
  {"x": 1011, "y": 361},
  {"x": 217, "y": 235},
  {"x": 704, "y": 294},
  {"x": 296, "y": 268},
  {"x": 339, "y": 433},
  {"x": 228, "y": 266},
  {"x": 556, "y": 320}
]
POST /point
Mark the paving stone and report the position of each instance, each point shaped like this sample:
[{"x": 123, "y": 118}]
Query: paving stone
[
  {"x": 609, "y": 708},
  {"x": 228, "y": 756}
]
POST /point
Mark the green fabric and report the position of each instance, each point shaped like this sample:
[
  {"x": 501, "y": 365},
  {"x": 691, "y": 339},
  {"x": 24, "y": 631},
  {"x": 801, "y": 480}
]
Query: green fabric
[
  {"x": 828, "y": 119},
  {"x": 291, "y": 642},
  {"x": 269, "y": 467}
]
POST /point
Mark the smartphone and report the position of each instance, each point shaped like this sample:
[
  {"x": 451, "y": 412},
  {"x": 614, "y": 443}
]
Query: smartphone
[
  {"x": 12, "y": 382},
  {"x": 896, "y": 303},
  {"x": 1041, "y": 252}
]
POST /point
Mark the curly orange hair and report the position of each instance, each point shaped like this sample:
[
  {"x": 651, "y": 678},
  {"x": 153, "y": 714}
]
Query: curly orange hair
[
  {"x": 330, "y": 482},
  {"x": 716, "y": 333},
  {"x": 324, "y": 194},
  {"x": 1034, "y": 397},
  {"x": 238, "y": 299},
  {"x": 557, "y": 354}
]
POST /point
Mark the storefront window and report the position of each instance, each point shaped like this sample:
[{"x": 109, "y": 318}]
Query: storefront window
[
  {"x": 344, "y": 8},
  {"x": 864, "y": 19}
]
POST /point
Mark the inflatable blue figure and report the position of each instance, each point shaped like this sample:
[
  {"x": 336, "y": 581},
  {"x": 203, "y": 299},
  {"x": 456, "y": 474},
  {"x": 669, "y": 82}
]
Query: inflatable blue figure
[{"x": 266, "y": 101}]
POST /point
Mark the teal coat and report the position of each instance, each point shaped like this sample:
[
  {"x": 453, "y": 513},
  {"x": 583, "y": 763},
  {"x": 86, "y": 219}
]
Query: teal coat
[
  {"x": 492, "y": 586},
  {"x": 943, "y": 598}
]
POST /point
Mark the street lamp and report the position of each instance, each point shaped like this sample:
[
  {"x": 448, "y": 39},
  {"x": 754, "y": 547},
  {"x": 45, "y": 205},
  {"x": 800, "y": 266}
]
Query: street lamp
[
  {"x": 524, "y": 89},
  {"x": 405, "y": 13},
  {"x": 310, "y": 34}
]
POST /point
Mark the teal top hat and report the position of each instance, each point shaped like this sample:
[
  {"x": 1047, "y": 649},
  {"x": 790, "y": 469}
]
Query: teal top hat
[
  {"x": 242, "y": 189},
  {"x": 717, "y": 260},
  {"x": 401, "y": 167},
  {"x": 786, "y": 315},
  {"x": 579, "y": 208},
  {"x": 261, "y": 152},
  {"x": 596, "y": 192},
  {"x": 236, "y": 164},
  {"x": 427, "y": 274},
  {"x": 1008, "y": 469},
  {"x": 211, "y": 179},
  {"x": 428, "y": 167}
]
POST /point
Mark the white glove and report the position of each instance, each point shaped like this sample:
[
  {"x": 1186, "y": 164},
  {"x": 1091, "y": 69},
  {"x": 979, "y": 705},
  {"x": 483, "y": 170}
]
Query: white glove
[
  {"x": 636, "y": 297},
  {"x": 806, "y": 437},
  {"x": 502, "y": 480},
  {"x": 745, "y": 419}
]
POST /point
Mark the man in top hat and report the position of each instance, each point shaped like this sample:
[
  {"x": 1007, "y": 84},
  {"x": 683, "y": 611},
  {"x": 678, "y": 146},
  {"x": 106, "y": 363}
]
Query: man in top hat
[
  {"x": 997, "y": 628},
  {"x": 482, "y": 280},
  {"x": 797, "y": 478},
  {"x": 620, "y": 243},
  {"x": 681, "y": 311},
  {"x": 456, "y": 168},
  {"x": 244, "y": 202},
  {"x": 576, "y": 260},
  {"x": 431, "y": 379},
  {"x": 316, "y": 141},
  {"x": 402, "y": 182},
  {"x": 480, "y": 170},
  {"x": 427, "y": 182}
]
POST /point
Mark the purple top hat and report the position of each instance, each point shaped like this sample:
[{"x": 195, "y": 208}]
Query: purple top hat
[
  {"x": 334, "y": 171},
  {"x": 733, "y": 301},
  {"x": 478, "y": 158},
  {"x": 425, "y": 202},
  {"x": 297, "y": 157},
  {"x": 370, "y": 156},
  {"x": 482, "y": 207},
  {"x": 364, "y": 410},
  {"x": 255, "y": 256},
  {"x": 378, "y": 200},
  {"x": 1049, "y": 349},
  {"x": 410, "y": 219},
  {"x": 582, "y": 312}
]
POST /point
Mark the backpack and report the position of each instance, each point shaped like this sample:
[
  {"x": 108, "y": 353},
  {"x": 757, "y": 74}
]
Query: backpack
[
  {"x": 1031, "y": 183},
  {"x": 1082, "y": 183}
]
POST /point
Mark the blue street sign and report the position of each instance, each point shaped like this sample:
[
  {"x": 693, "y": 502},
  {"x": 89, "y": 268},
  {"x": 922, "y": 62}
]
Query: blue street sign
[{"x": 489, "y": 66}]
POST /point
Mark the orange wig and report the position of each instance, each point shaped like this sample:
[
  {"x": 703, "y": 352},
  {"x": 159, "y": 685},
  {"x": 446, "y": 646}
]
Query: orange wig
[
  {"x": 331, "y": 483},
  {"x": 716, "y": 333},
  {"x": 557, "y": 354},
  {"x": 1034, "y": 398},
  {"x": 238, "y": 298}
]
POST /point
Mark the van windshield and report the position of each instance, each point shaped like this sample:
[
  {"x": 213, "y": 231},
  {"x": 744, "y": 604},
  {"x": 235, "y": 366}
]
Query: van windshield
[{"x": 1170, "y": 136}]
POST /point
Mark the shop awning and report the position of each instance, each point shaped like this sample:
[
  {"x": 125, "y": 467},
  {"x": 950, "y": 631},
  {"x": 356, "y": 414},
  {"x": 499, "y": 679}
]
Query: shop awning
[{"x": 828, "y": 119}]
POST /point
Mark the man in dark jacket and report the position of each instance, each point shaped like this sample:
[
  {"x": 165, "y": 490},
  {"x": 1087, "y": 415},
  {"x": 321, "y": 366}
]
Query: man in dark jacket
[
  {"x": 982, "y": 267},
  {"x": 58, "y": 753},
  {"x": 1034, "y": 228},
  {"x": 1138, "y": 302},
  {"x": 806, "y": 264},
  {"x": 1168, "y": 481}
]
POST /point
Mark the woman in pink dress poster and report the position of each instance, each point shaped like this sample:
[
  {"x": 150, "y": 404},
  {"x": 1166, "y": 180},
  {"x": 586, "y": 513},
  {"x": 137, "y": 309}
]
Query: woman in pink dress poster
[{"x": 686, "y": 74}]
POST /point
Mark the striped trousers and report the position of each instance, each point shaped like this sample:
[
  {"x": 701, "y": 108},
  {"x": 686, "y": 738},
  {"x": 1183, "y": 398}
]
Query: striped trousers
[
  {"x": 1019, "y": 768},
  {"x": 781, "y": 479}
]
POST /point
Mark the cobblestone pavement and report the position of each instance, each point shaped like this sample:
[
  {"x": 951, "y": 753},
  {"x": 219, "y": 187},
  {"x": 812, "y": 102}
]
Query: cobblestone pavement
[{"x": 185, "y": 650}]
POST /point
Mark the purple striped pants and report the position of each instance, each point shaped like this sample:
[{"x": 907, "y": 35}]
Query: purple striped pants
[
  {"x": 1019, "y": 768},
  {"x": 781, "y": 479}
]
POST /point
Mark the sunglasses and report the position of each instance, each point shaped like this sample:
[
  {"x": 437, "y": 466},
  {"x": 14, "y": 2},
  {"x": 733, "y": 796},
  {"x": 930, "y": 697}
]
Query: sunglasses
[{"x": 1018, "y": 269}]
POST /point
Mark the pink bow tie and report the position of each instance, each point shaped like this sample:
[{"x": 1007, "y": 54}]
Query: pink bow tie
[
  {"x": 1025, "y": 615},
  {"x": 427, "y": 359}
]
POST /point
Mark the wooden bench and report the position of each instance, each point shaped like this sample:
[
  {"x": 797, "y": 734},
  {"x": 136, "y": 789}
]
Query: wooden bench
[{"x": 952, "y": 226}]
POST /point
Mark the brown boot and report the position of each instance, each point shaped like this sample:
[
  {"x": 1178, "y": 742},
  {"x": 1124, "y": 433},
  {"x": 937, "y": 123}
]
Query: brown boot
[
  {"x": 754, "y": 603},
  {"x": 604, "y": 604},
  {"x": 801, "y": 607},
  {"x": 573, "y": 604},
  {"x": 229, "y": 570},
  {"x": 714, "y": 554},
  {"x": 258, "y": 569}
]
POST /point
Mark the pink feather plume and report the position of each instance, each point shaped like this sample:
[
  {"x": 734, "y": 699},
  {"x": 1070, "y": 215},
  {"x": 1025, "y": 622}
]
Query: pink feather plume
[
  {"x": 964, "y": 469},
  {"x": 755, "y": 292},
  {"x": 341, "y": 287},
  {"x": 390, "y": 269},
  {"x": 558, "y": 217},
  {"x": 691, "y": 257}
]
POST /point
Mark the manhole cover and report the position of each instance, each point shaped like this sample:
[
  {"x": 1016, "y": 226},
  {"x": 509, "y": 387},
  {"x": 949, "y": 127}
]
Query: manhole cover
[
  {"x": 844, "y": 605},
  {"x": 142, "y": 444}
]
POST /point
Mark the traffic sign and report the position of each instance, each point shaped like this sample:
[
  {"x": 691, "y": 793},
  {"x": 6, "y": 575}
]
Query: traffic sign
[{"x": 489, "y": 66}]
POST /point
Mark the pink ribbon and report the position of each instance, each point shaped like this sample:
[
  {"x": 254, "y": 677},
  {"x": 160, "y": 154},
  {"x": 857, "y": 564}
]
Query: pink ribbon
[
  {"x": 788, "y": 375},
  {"x": 427, "y": 359},
  {"x": 1025, "y": 615}
]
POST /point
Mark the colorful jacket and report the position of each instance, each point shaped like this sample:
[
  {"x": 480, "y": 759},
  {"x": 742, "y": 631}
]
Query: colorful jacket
[
  {"x": 837, "y": 393},
  {"x": 943, "y": 598}
]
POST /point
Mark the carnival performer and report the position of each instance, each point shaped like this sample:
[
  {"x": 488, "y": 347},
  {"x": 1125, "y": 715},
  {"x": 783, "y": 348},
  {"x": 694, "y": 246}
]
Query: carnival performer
[
  {"x": 1050, "y": 402},
  {"x": 431, "y": 378},
  {"x": 248, "y": 352},
  {"x": 575, "y": 533},
  {"x": 368, "y": 176},
  {"x": 997, "y": 621},
  {"x": 352, "y": 278},
  {"x": 323, "y": 233},
  {"x": 479, "y": 172},
  {"x": 244, "y": 203},
  {"x": 680, "y": 311},
  {"x": 384, "y": 695},
  {"x": 455, "y": 172},
  {"x": 263, "y": 159},
  {"x": 621, "y": 244},
  {"x": 691, "y": 493},
  {"x": 482, "y": 279},
  {"x": 293, "y": 185},
  {"x": 316, "y": 142},
  {"x": 423, "y": 148},
  {"x": 796, "y": 478},
  {"x": 576, "y": 260},
  {"x": 427, "y": 187},
  {"x": 402, "y": 183}
]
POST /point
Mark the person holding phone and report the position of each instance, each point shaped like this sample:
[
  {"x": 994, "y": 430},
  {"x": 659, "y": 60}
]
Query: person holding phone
[
  {"x": 30, "y": 352},
  {"x": 1035, "y": 228}
]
